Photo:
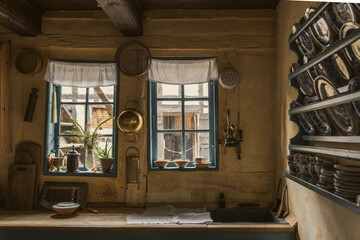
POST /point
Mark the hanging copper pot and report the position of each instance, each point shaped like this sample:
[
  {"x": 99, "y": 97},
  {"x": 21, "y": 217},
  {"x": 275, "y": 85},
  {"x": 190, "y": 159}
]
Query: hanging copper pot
[{"x": 130, "y": 122}]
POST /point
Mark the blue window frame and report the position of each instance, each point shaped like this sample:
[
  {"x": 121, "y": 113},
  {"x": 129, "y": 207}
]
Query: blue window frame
[
  {"x": 183, "y": 124},
  {"x": 88, "y": 106}
]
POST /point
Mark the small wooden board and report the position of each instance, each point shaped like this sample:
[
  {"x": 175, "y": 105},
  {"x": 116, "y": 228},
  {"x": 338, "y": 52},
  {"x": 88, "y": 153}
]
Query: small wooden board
[{"x": 21, "y": 182}]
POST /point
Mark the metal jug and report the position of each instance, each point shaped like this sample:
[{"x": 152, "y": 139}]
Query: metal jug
[{"x": 72, "y": 160}]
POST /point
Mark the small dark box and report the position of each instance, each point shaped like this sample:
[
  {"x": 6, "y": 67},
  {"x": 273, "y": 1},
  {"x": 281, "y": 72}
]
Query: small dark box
[{"x": 55, "y": 192}]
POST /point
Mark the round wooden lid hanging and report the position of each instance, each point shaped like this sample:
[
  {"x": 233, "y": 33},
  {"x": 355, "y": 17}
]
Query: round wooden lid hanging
[
  {"x": 133, "y": 59},
  {"x": 28, "y": 62}
]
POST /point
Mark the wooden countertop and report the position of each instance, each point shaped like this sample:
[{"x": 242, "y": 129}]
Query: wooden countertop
[{"x": 113, "y": 220}]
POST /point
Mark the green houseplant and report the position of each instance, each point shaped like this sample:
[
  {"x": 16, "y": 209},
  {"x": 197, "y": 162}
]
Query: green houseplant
[
  {"x": 90, "y": 139},
  {"x": 106, "y": 160}
]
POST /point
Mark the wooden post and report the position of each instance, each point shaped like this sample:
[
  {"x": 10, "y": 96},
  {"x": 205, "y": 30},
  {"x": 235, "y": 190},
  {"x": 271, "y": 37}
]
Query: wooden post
[{"x": 5, "y": 145}]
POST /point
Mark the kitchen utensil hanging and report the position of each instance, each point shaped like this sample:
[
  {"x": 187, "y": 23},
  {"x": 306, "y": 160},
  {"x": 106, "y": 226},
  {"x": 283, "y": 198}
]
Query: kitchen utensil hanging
[
  {"x": 28, "y": 62},
  {"x": 132, "y": 167},
  {"x": 133, "y": 59},
  {"x": 130, "y": 122},
  {"x": 229, "y": 78}
]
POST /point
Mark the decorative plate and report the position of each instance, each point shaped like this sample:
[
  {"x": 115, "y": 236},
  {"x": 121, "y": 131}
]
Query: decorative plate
[
  {"x": 319, "y": 119},
  {"x": 337, "y": 70},
  {"x": 339, "y": 13},
  {"x": 340, "y": 115},
  {"x": 344, "y": 195},
  {"x": 229, "y": 78},
  {"x": 354, "y": 85},
  {"x": 345, "y": 183},
  {"x": 304, "y": 119},
  {"x": 317, "y": 70},
  {"x": 304, "y": 81},
  {"x": 352, "y": 52},
  {"x": 319, "y": 29},
  {"x": 347, "y": 179},
  {"x": 348, "y": 168},
  {"x": 304, "y": 42}
]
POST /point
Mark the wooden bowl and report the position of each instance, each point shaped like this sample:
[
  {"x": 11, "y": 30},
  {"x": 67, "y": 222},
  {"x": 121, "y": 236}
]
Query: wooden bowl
[
  {"x": 181, "y": 163},
  {"x": 161, "y": 163},
  {"x": 202, "y": 165},
  {"x": 66, "y": 208}
]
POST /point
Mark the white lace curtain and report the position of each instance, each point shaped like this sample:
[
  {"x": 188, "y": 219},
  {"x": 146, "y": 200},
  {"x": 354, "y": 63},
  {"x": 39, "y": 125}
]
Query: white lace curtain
[
  {"x": 183, "y": 71},
  {"x": 81, "y": 74}
]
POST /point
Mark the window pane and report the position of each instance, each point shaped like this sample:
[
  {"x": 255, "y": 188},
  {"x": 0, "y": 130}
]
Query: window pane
[
  {"x": 196, "y": 145},
  {"x": 196, "y": 90},
  {"x": 76, "y": 112},
  {"x": 99, "y": 113},
  {"x": 73, "y": 94},
  {"x": 169, "y": 115},
  {"x": 168, "y": 91},
  {"x": 197, "y": 115},
  {"x": 101, "y": 94},
  {"x": 66, "y": 144},
  {"x": 169, "y": 146}
]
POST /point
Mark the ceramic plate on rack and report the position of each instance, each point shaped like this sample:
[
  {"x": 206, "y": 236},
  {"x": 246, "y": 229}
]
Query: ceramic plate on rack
[
  {"x": 354, "y": 85},
  {"x": 317, "y": 70},
  {"x": 319, "y": 29},
  {"x": 304, "y": 81},
  {"x": 345, "y": 183},
  {"x": 304, "y": 119},
  {"x": 303, "y": 41},
  {"x": 352, "y": 52},
  {"x": 337, "y": 70},
  {"x": 348, "y": 168},
  {"x": 340, "y": 115},
  {"x": 319, "y": 119},
  {"x": 339, "y": 13},
  {"x": 345, "y": 195},
  {"x": 347, "y": 179}
]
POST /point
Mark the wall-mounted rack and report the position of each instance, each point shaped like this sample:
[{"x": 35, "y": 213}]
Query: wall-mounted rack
[{"x": 300, "y": 143}]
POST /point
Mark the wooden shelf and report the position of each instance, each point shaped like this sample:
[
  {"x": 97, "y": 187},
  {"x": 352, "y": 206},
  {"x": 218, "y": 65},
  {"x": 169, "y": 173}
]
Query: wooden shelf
[
  {"x": 342, "y": 139},
  {"x": 335, "y": 152},
  {"x": 330, "y": 102},
  {"x": 308, "y": 183}
]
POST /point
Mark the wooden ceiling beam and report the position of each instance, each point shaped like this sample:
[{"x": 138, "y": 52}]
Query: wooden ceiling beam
[
  {"x": 21, "y": 17},
  {"x": 125, "y": 14}
]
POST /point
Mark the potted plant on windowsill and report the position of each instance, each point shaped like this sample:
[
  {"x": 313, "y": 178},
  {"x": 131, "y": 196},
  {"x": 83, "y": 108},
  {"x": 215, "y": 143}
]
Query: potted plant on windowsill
[
  {"x": 104, "y": 155},
  {"x": 90, "y": 140}
]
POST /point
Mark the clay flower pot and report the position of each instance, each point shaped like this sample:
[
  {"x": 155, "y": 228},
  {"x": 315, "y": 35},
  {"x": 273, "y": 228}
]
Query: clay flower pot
[{"x": 106, "y": 164}]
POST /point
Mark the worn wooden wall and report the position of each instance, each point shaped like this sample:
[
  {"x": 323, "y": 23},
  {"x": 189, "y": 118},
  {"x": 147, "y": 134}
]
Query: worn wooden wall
[
  {"x": 318, "y": 218},
  {"x": 244, "y": 39}
]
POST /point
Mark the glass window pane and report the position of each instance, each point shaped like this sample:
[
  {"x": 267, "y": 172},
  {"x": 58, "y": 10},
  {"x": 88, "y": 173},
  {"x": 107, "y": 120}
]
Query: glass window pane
[
  {"x": 197, "y": 145},
  {"x": 197, "y": 115},
  {"x": 169, "y": 115},
  {"x": 99, "y": 113},
  {"x": 76, "y": 112},
  {"x": 168, "y": 91},
  {"x": 73, "y": 94},
  {"x": 66, "y": 144},
  {"x": 169, "y": 146},
  {"x": 196, "y": 90},
  {"x": 101, "y": 94}
]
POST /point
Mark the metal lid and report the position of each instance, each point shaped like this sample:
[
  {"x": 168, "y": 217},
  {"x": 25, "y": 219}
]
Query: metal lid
[{"x": 73, "y": 152}]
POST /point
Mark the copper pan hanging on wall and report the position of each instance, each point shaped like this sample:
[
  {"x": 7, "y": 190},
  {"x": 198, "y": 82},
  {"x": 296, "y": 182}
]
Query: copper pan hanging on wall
[{"x": 130, "y": 122}]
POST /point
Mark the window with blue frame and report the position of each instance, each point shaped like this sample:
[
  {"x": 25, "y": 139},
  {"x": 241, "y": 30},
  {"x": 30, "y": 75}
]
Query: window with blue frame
[
  {"x": 89, "y": 107},
  {"x": 182, "y": 123}
]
